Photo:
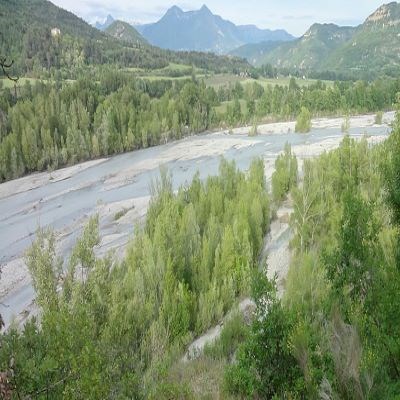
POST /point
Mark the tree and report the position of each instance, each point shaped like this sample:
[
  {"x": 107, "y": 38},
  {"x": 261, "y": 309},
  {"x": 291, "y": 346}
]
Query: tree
[
  {"x": 346, "y": 125},
  {"x": 265, "y": 366},
  {"x": 303, "y": 122},
  {"x": 285, "y": 176}
]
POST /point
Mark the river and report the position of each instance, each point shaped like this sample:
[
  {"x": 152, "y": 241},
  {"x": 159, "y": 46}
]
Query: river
[{"x": 64, "y": 200}]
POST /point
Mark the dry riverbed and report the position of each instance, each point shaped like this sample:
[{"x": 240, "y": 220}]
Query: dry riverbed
[{"x": 117, "y": 189}]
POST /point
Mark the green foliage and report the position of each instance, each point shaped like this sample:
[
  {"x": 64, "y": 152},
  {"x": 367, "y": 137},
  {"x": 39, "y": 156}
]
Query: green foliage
[
  {"x": 53, "y": 124},
  {"x": 45, "y": 269},
  {"x": 28, "y": 40},
  {"x": 303, "y": 122},
  {"x": 125, "y": 32},
  {"x": 392, "y": 169},
  {"x": 254, "y": 130},
  {"x": 366, "y": 51},
  {"x": 307, "y": 286},
  {"x": 344, "y": 273},
  {"x": 265, "y": 366},
  {"x": 351, "y": 264},
  {"x": 108, "y": 329},
  {"x": 53, "y": 127},
  {"x": 337, "y": 321},
  {"x": 233, "y": 333},
  {"x": 379, "y": 118},
  {"x": 346, "y": 125},
  {"x": 285, "y": 176}
]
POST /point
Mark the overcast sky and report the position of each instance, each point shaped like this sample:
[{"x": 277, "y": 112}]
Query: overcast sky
[{"x": 293, "y": 15}]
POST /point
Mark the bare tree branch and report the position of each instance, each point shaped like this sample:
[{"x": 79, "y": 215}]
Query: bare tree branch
[{"x": 5, "y": 67}]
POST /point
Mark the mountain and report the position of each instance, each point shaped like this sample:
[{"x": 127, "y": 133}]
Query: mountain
[
  {"x": 252, "y": 34},
  {"x": 371, "y": 48},
  {"x": 312, "y": 49},
  {"x": 375, "y": 45},
  {"x": 201, "y": 30},
  {"x": 40, "y": 36},
  {"x": 102, "y": 26},
  {"x": 255, "y": 52},
  {"x": 125, "y": 32}
]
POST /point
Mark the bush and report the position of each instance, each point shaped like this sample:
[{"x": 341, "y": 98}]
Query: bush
[
  {"x": 233, "y": 333},
  {"x": 254, "y": 130},
  {"x": 378, "y": 118},
  {"x": 285, "y": 176},
  {"x": 346, "y": 125},
  {"x": 265, "y": 366},
  {"x": 303, "y": 123}
]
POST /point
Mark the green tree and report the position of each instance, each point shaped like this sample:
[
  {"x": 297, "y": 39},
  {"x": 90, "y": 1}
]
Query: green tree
[{"x": 303, "y": 122}]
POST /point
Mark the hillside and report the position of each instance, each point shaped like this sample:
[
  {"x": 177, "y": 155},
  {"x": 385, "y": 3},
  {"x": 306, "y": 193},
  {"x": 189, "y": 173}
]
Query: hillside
[
  {"x": 125, "y": 32},
  {"x": 40, "y": 36},
  {"x": 255, "y": 53},
  {"x": 375, "y": 45},
  {"x": 371, "y": 48},
  {"x": 309, "y": 51},
  {"x": 201, "y": 30}
]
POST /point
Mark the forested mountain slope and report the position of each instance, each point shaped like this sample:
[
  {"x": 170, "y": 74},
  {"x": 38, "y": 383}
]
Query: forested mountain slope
[
  {"x": 125, "y": 32},
  {"x": 370, "y": 49},
  {"x": 312, "y": 49},
  {"x": 39, "y": 36},
  {"x": 375, "y": 45}
]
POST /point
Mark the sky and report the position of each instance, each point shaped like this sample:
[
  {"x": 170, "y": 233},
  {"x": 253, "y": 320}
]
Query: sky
[{"x": 296, "y": 16}]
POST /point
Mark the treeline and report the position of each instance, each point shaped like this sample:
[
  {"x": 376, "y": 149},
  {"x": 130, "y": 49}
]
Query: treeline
[
  {"x": 319, "y": 98},
  {"x": 109, "y": 331},
  {"x": 50, "y": 126},
  {"x": 55, "y": 124},
  {"x": 335, "y": 332}
]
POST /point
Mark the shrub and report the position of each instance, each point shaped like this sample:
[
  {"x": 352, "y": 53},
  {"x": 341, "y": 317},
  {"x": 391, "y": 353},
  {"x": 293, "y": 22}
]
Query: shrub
[{"x": 303, "y": 123}]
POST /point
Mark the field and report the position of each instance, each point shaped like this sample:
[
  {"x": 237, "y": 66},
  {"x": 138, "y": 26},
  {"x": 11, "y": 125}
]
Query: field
[
  {"x": 221, "y": 109},
  {"x": 181, "y": 72},
  {"x": 284, "y": 81}
]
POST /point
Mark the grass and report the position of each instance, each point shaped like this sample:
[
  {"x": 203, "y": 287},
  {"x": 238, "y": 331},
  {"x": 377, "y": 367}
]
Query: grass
[
  {"x": 167, "y": 73},
  {"x": 203, "y": 377},
  {"x": 221, "y": 109},
  {"x": 118, "y": 215},
  {"x": 284, "y": 81},
  {"x": 225, "y": 79},
  {"x": 222, "y": 80}
]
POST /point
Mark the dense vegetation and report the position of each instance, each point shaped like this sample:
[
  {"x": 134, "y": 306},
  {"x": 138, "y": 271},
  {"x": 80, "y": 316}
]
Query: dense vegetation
[
  {"x": 366, "y": 51},
  {"x": 118, "y": 330},
  {"x": 335, "y": 332},
  {"x": 108, "y": 330},
  {"x": 125, "y": 32},
  {"x": 52, "y": 124},
  {"x": 113, "y": 329},
  {"x": 26, "y": 37}
]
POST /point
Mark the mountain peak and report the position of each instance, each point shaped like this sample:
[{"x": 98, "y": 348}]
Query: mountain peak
[
  {"x": 205, "y": 10},
  {"x": 201, "y": 30},
  {"x": 175, "y": 11},
  {"x": 104, "y": 25},
  {"x": 386, "y": 14}
]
